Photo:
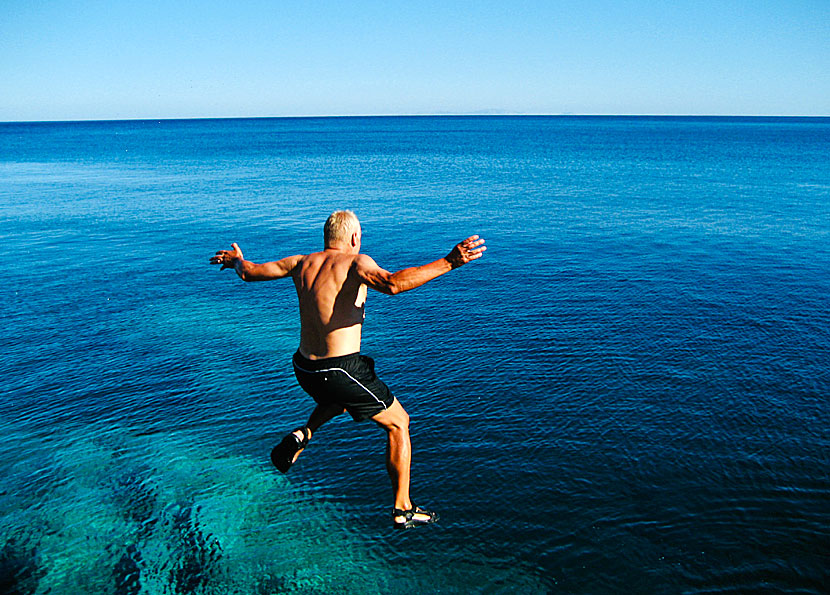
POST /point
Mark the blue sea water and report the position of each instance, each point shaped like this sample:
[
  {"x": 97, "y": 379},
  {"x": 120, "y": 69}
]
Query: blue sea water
[{"x": 628, "y": 393}]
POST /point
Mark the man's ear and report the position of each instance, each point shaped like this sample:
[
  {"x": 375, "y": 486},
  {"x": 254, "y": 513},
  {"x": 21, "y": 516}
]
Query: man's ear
[{"x": 354, "y": 239}]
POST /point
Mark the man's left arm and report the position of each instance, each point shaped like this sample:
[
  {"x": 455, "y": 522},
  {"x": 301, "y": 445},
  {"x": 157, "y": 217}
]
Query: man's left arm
[
  {"x": 404, "y": 280},
  {"x": 251, "y": 271}
]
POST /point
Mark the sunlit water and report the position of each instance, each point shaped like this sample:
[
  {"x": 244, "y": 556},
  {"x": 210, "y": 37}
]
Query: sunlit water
[{"x": 628, "y": 393}]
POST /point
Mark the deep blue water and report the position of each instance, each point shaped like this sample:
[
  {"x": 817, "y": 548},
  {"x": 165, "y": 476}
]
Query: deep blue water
[{"x": 628, "y": 393}]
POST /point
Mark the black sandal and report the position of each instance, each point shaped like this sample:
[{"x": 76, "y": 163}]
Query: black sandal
[
  {"x": 283, "y": 453},
  {"x": 409, "y": 515}
]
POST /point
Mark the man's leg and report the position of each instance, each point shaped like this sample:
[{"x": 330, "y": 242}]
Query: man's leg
[
  {"x": 320, "y": 415},
  {"x": 395, "y": 421},
  {"x": 286, "y": 452}
]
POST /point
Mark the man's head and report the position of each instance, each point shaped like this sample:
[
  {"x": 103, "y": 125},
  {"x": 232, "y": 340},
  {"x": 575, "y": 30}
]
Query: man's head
[{"x": 342, "y": 230}]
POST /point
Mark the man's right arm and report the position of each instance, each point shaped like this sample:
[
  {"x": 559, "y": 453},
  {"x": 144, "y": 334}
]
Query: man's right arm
[
  {"x": 410, "y": 278},
  {"x": 251, "y": 271}
]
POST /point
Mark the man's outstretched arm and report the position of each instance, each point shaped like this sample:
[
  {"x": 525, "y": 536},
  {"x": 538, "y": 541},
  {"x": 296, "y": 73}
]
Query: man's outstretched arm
[
  {"x": 251, "y": 271},
  {"x": 404, "y": 280}
]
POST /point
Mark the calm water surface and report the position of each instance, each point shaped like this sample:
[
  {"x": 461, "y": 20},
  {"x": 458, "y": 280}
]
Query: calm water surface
[{"x": 628, "y": 393}]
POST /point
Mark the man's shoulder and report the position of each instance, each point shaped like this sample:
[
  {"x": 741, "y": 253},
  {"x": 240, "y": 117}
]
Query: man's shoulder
[{"x": 364, "y": 260}]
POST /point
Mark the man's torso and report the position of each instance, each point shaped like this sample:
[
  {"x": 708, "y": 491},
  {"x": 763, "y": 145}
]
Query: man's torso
[{"x": 332, "y": 300}]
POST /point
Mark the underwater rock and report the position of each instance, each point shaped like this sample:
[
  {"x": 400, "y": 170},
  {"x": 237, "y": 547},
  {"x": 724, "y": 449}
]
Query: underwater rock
[
  {"x": 19, "y": 571},
  {"x": 136, "y": 497},
  {"x": 200, "y": 553},
  {"x": 127, "y": 572}
]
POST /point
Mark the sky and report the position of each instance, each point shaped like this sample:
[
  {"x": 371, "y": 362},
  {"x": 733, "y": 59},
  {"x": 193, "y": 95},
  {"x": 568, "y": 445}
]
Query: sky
[{"x": 93, "y": 60}]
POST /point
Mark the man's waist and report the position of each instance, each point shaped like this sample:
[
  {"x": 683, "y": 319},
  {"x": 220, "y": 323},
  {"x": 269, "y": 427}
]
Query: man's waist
[{"x": 315, "y": 362}]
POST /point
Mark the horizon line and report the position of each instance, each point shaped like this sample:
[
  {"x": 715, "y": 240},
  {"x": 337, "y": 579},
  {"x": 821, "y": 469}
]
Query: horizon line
[{"x": 416, "y": 115}]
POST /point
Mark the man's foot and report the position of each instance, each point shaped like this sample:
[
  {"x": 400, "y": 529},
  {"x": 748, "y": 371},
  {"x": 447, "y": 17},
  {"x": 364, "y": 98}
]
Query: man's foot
[
  {"x": 414, "y": 517},
  {"x": 286, "y": 452}
]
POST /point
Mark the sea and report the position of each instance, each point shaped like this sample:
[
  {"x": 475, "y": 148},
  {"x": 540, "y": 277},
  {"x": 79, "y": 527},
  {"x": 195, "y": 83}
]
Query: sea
[{"x": 628, "y": 393}]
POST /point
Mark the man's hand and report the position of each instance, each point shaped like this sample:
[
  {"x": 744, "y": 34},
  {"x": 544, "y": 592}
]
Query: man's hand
[
  {"x": 470, "y": 249},
  {"x": 251, "y": 271},
  {"x": 227, "y": 258}
]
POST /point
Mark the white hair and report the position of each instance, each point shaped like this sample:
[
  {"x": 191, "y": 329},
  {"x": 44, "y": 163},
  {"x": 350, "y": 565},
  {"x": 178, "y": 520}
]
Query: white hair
[{"x": 339, "y": 227}]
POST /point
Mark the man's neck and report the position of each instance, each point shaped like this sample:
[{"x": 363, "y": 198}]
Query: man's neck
[{"x": 341, "y": 248}]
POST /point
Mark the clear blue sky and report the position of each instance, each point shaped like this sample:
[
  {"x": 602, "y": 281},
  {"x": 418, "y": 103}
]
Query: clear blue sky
[{"x": 89, "y": 59}]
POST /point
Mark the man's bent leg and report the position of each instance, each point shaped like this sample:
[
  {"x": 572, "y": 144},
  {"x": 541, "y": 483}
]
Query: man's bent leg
[
  {"x": 286, "y": 452},
  {"x": 320, "y": 415}
]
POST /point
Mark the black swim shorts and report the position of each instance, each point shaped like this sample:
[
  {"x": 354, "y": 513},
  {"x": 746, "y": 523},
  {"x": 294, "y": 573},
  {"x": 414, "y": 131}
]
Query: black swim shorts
[{"x": 347, "y": 380}]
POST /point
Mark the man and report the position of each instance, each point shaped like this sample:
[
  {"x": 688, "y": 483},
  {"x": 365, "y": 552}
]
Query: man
[{"x": 331, "y": 288}]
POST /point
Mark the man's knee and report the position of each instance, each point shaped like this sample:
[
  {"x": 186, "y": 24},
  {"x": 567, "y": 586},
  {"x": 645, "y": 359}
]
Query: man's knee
[
  {"x": 401, "y": 421},
  {"x": 393, "y": 419}
]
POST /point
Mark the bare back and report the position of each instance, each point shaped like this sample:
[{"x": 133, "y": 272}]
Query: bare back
[{"x": 332, "y": 300}]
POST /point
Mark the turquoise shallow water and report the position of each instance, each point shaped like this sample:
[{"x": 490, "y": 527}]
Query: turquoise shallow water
[{"x": 628, "y": 393}]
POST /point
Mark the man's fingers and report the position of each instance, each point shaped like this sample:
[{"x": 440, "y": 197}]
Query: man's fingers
[
  {"x": 473, "y": 251},
  {"x": 223, "y": 257},
  {"x": 473, "y": 244}
]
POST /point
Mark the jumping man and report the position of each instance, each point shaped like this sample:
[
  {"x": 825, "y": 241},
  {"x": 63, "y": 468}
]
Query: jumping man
[{"x": 331, "y": 289}]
